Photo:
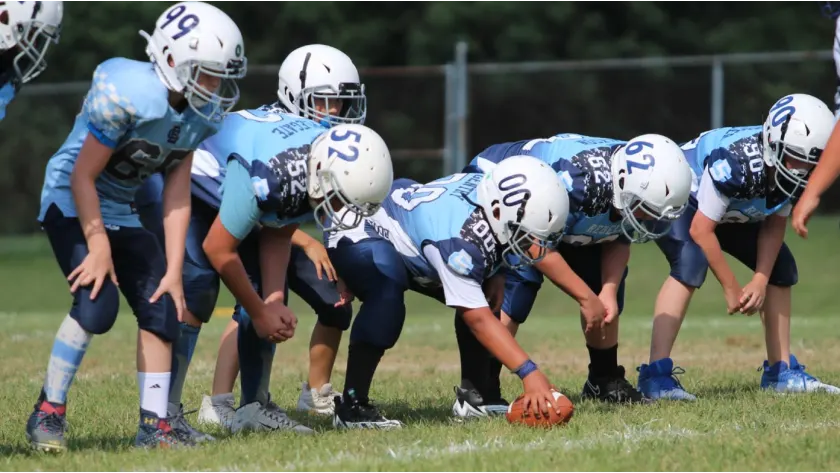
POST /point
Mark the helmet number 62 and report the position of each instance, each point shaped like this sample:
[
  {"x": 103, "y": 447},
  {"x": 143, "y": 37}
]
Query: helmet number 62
[{"x": 642, "y": 162}]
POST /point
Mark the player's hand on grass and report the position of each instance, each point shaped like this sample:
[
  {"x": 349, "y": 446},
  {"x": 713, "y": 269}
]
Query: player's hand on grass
[
  {"x": 316, "y": 252},
  {"x": 594, "y": 313},
  {"x": 171, "y": 284},
  {"x": 802, "y": 212},
  {"x": 752, "y": 296},
  {"x": 732, "y": 293},
  {"x": 344, "y": 294},
  {"x": 538, "y": 395},
  {"x": 494, "y": 292},
  {"x": 96, "y": 266}
]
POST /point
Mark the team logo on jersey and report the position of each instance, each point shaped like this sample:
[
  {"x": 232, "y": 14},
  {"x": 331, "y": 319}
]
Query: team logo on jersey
[
  {"x": 174, "y": 134},
  {"x": 260, "y": 188},
  {"x": 461, "y": 262}
]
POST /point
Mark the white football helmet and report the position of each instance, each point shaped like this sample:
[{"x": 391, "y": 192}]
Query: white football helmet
[
  {"x": 650, "y": 173},
  {"x": 350, "y": 163},
  {"x": 526, "y": 204},
  {"x": 193, "y": 39},
  {"x": 318, "y": 71},
  {"x": 27, "y": 29},
  {"x": 797, "y": 127}
]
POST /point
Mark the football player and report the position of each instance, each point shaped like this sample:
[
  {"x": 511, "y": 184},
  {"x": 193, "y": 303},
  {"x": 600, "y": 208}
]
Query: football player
[
  {"x": 138, "y": 118},
  {"x": 619, "y": 192},
  {"x": 444, "y": 239},
  {"x": 27, "y": 30},
  {"x": 336, "y": 96},
  {"x": 745, "y": 181}
]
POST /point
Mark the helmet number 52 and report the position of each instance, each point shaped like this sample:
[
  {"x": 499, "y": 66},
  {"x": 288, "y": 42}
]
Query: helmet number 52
[
  {"x": 185, "y": 24},
  {"x": 352, "y": 151},
  {"x": 642, "y": 162}
]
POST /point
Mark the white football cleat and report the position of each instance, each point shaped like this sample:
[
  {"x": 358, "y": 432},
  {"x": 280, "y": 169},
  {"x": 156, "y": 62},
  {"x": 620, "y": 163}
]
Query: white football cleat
[
  {"x": 217, "y": 410},
  {"x": 317, "y": 401},
  {"x": 268, "y": 417}
]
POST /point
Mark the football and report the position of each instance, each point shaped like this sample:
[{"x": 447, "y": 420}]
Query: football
[{"x": 516, "y": 413}]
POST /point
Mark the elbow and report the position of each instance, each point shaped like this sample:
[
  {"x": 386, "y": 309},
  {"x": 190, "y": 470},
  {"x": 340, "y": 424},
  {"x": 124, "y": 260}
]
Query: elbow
[
  {"x": 476, "y": 319},
  {"x": 696, "y": 232}
]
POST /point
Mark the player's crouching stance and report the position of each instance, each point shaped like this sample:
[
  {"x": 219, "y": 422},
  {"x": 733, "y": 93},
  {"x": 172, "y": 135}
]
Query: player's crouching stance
[
  {"x": 26, "y": 33},
  {"x": 348, "y": 168},
  {"x": 619, "y": 192},
  {"x": 138, "y": 118},
  {"x": 444, "y": 239},
  {"x": 748, "y": 179}
]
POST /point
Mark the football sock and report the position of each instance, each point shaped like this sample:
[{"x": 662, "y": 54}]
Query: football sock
[
  {"x": 154, "y": 392},
  {"x": 255, "y": 358},
  {"x": 494, "y": 381},
  {"x": 602, "y": 362},
  {"x": 182, "y": 352},
  {"x": 362, "y": 361},
  {"x": 71, "y": 343}
]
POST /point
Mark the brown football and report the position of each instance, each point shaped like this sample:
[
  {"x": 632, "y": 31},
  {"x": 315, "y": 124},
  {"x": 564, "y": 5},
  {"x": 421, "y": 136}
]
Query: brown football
[{"x": 516, "y": 413}]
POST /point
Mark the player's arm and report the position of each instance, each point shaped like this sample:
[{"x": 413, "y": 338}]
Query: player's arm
[
  {"x": 104, "y": 132},
  {"x": 464, "y": 294},
  {"x": 316, "y": 252},
  {"x": 771, "y": 235},
  {"x": 826, "y": 172},
  {"x": 555, "y": 268},
  {"x": 275, "y": 252},
  {"x": 614, "y": 258},
  {"x": 238, "y": 215},
  {"x": 176, "y": 213},
  {"x": 711, "y": 206}
]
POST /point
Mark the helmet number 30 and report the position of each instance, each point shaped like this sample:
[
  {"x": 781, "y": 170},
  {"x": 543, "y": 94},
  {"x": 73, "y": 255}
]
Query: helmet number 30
[
  {"x": 185, "y": 24},
  {"x": 642, "y": 162}
]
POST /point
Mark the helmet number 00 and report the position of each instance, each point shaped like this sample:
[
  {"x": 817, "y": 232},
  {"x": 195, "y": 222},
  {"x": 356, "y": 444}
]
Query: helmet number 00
[
  {"x": 517, "y": 195},
  {"x": 185, "y": 24}
]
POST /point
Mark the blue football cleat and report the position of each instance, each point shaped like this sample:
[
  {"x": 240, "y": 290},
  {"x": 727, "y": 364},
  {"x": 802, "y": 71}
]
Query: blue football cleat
[
  {"x": 658, "y": 380},
  {"x": 789, "y": 379}
]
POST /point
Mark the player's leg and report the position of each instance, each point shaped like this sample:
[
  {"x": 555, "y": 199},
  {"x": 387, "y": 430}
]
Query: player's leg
[
  {"x": 379, "y": 280},
  {"x": 658, "y": 379},
  {"x": 219, "y": 408},
  {"x": 201, "y": 289},
  {"x": 321, "y": 294},
  {"x": 479, "y": 394},
  {"x": 606, "y": 380},
  {"x": 781, "y": 370},
  {"x": 140, "y": 264},
  {"x": 256, "y": 409},
  {"x": 46, "y": 425}
]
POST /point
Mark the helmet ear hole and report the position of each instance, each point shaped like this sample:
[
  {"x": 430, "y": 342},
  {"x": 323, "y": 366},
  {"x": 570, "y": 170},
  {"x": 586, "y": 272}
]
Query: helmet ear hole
[
  {"x": 621, "y": 183},
  {"x": 497, "y": 213},
  {"x": 4, "y": 17}
]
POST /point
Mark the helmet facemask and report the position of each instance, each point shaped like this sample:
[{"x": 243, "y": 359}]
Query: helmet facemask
[
  {"x": 642, "y": 231},
  {"x": 353, "y": 104},
  {"x": 211, "y": 105},
  {"x": 33, "y": 40},
  {"x": 327, "y": 217},
  {"x": 791, "y": 182},
  {"x": 520, "y": 240}
]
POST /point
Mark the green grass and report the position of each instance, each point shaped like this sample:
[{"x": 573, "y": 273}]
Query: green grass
[{"x": 732, "y": 427}]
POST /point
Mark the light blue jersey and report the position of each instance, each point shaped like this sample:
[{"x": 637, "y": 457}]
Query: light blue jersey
[
  {"x": 257, "y": 169},
  {"x": 583, "y": 164},
  {"x": 126, "y": 109},
  {"x": 733, "y": 157},
  {"x": 7, "y": 94},
  {"x": 442, "y": 213}
]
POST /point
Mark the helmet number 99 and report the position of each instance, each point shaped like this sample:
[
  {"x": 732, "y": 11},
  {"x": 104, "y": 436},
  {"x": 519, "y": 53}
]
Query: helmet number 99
[
  {"x": 513, "y": 183},
  {"x": 642, "y": 162},
  {"x": 336, "y": 137},
  {"x": 185, "y": 24}
]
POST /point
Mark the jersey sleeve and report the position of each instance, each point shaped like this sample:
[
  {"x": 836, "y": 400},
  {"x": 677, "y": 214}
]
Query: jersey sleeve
[
  {"x": 239, "y": 211},
  {"x": 109, "y": 107},
  {"x": 710, "y": 201},
  {"x": 459, "y": 290}
]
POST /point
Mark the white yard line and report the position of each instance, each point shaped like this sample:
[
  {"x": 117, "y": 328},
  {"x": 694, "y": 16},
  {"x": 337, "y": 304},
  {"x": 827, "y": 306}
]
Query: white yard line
[{"x": 630, "y": 437}]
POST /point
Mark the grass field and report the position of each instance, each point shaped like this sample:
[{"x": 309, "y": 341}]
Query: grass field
[{"x": 732, "y": 427}]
